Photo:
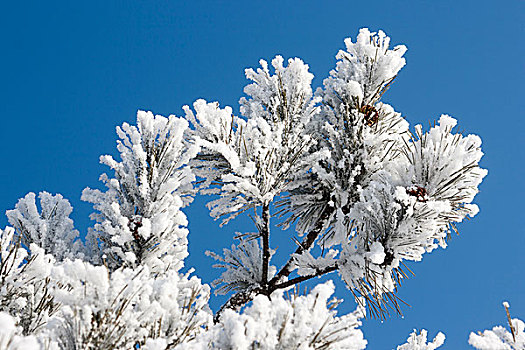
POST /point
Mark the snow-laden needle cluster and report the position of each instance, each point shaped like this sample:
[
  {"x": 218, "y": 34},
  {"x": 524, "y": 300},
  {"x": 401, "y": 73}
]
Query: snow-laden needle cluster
[{"x": 355, "y": 186}]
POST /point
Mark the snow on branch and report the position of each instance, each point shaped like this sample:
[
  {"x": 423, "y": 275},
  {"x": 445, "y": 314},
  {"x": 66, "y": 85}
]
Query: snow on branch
[
  {"x": 419, "y": 341},
  {"x": 139, "y": 217},
  {"x": 252, "y": 158},
  {"x": 295, "y": 322},
  {"x": 50, "y": 227},
  {"x": 25, "y": 283},
  {"x": 10, "y": 337},
  {"x": 243, "y": 264},
  {"x": 384, "y": 194},
  {"x": 499, "y": 337},
  {"x": 342, "y": 166},
  {"x": 126, "y": 307},
  {"x": 364, "y": 70}
]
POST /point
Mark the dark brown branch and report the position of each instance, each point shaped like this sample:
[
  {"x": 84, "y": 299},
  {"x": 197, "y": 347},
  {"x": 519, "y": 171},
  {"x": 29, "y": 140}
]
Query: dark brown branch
[
  {"x": 265, "y": 234},
  {"x": 239, "y": 299},
  {"x": 267, "y": 287},
  {"x": 300, "y": 279},
  {"x": 236, "y": 302},
  {"x": 306, "y": 244},
  {"x": 509, "y": 319}
]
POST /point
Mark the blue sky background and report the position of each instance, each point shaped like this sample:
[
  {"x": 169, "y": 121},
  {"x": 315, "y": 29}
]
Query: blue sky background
[{"x": 72, "y": 71}]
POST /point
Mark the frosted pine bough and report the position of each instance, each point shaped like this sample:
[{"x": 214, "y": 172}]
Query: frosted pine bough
[
  {"x": 340, "y": 164},
  {"x": 138, "y": 218},
  {"x": 362, "y": 189}
]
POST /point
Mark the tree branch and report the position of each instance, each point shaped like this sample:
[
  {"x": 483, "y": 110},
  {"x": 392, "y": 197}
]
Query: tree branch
[
  {"x": 306, "y": 244},
  {"x": 236, "y": 302},
  {"x": 265, "y": 234},
  {"x": 239, "y": 299},
  {"x": 303, "y": 278}
]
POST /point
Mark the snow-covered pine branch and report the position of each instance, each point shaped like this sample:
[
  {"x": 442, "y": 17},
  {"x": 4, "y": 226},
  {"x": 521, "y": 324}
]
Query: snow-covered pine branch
[
  {"x": 25, "y": 283},
  {"x": 342, "y": 165},
  {"x": 121, "y": 309},
  {"x": 251, "y": 158},
  {"x": 419, "y": 341},
  {"x": 384, "y": 195},
  {"x": 499, "y": 337},
  {"x": 50, "y": 228},
  {"x": 139, "y": 218},
  {"x": 70, "y": 304},
  {"x": 249, "y": 161},
  {"x": 243, "y": 269},
  {"x": 10, "y": 337},
  {"x": 286, "y": 322}
]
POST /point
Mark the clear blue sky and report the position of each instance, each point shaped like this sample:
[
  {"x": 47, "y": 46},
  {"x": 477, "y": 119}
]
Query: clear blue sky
[{"x": 72, "y": 71}]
